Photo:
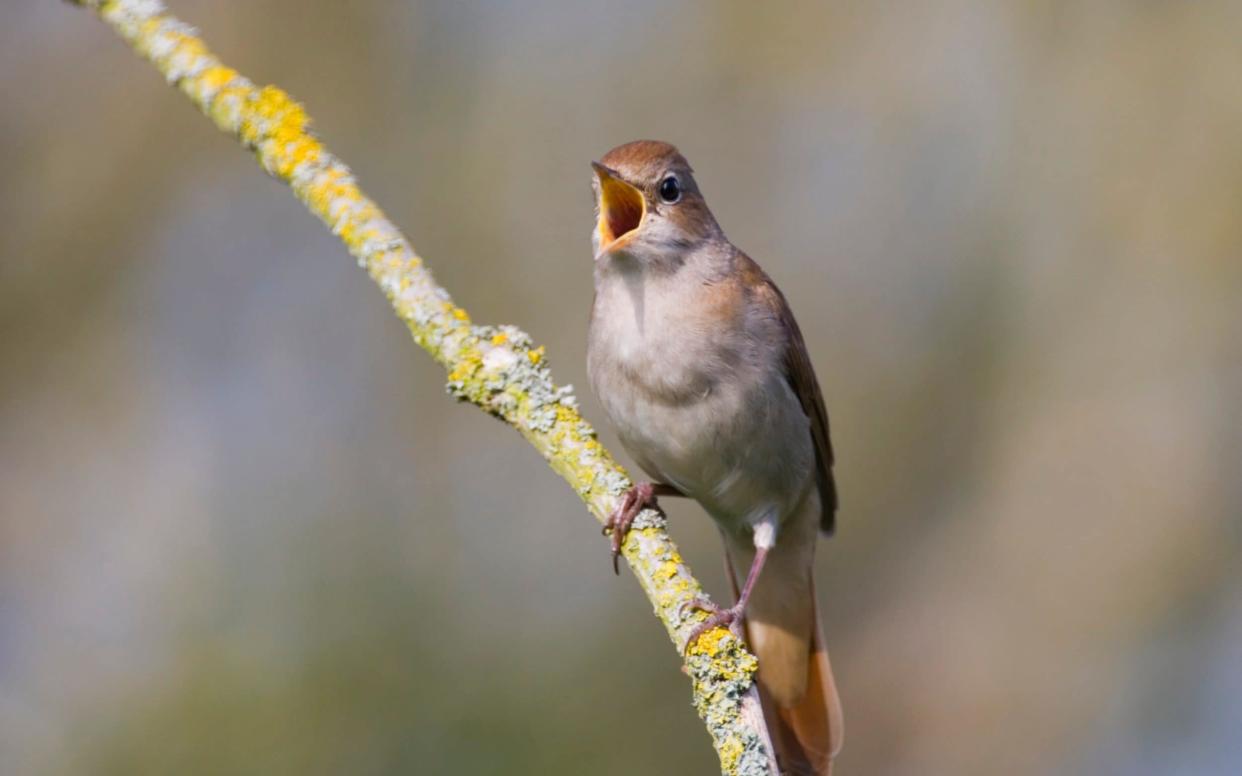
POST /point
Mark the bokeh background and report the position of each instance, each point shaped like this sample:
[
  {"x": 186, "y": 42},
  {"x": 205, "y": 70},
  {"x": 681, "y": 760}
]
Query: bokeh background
[{"x": 244, "y": 530}]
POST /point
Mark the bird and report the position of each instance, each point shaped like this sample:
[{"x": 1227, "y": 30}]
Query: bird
[{"x": 696, "y": 358}]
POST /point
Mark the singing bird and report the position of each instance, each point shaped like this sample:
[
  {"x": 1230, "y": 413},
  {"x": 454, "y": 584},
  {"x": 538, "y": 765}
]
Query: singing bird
[{"x": 701, "y": 368}]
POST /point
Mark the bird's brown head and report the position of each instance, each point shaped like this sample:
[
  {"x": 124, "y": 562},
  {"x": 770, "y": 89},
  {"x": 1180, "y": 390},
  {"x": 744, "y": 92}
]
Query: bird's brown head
[{"x": 647, "y": 203}]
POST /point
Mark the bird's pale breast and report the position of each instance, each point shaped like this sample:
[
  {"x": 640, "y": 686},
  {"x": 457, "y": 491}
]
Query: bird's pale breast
[{"x": 689, "y": 377}]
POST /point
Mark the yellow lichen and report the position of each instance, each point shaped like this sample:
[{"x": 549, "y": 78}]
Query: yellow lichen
[
  {"x": 465, "y": 368},
  {"x": 216, "y": 76},
  {"x": 183, "y": 44},
  {"x": 669, "y": 570},
  {"x": 225, "y": 102},
  {"x": 331, "y": 185},
  {"x": 730, "y": 751},
  {"x": 708, "y": 644},
  {"x": 295, "y": 153}
]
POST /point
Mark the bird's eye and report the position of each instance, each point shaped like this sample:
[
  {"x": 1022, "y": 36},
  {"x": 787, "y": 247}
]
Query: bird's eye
[{"x": 670, "y": 189}]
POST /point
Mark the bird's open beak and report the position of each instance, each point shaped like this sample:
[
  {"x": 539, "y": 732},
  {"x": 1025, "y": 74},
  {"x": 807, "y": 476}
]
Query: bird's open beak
[{"x": 621, "y": 208}]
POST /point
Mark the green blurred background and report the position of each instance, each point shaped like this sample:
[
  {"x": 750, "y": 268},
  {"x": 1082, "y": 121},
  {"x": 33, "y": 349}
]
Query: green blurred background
[{"x": 244, "y": 530}]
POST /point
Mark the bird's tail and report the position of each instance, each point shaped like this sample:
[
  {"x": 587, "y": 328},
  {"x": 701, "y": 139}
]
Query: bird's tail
[
  {"x": 796, "y": 686},
  {"x": 808, "y": 734}
]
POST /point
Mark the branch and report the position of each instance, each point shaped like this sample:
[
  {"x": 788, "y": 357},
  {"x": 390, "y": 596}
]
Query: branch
[{"x": 494, "y": 367}]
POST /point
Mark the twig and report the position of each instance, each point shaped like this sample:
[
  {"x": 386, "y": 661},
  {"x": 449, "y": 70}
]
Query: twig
[{"x": 494, "y": 367}]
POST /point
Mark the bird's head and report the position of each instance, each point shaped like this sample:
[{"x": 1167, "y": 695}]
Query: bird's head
[{"x": 647, "y": 205}]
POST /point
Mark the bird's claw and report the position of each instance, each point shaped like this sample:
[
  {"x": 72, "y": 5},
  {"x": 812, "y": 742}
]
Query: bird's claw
[
  {"x": 617, "y": 526},
  {"x": 696, "y": 603},
  {"x": 716, "y": 618}
]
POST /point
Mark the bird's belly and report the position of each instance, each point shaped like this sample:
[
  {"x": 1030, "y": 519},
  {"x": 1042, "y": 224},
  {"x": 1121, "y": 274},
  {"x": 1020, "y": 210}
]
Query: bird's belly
[{"x": 743, "y": 449}]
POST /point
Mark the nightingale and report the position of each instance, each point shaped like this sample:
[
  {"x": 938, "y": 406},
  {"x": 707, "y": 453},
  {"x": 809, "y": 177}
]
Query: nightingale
[{"x": 702, "y": 370}]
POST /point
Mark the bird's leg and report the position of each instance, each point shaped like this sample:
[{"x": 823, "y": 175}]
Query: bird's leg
[
  {"x": 726, "y": 617},
  {"x": 635, "y": 500},
  {"x": 731, "y": 573}
]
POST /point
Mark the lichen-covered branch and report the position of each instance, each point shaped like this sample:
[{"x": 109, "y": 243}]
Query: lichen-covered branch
[{"x": 494, "y": 367}]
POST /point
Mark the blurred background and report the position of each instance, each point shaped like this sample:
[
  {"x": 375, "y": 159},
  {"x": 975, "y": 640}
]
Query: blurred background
[{"x": 244, "y": 530}]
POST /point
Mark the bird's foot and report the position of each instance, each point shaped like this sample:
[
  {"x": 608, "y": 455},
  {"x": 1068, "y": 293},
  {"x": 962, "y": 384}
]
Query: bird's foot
[
  {"x": 617, "y": 526},
  {"x": 716, "y": 617}
]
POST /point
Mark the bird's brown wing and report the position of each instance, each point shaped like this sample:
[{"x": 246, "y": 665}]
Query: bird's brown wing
[{"x": 801, "y": 378}]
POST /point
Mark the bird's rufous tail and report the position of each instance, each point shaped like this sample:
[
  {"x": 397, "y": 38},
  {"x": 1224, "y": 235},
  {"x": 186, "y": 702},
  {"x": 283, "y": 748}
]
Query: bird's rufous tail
[
  {"x": 799, "y": 695},
  {"x": 808, "y": 734}
]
